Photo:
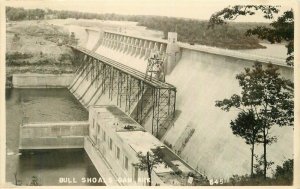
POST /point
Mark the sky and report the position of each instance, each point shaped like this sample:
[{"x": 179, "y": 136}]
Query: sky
[{"x": 197, "y": 9}]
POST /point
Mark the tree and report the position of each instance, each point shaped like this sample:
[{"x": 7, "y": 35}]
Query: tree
[
  {"x": 284, "y": 174},
  {"x": 268, "y": 96},
  {"x": 247, "y": 127},
  {"x": 15, "y": 14},
  {"x": 259, "y": 167},
  {"x": 280, "y": 30},
  {"x": 149, "y": 161}
]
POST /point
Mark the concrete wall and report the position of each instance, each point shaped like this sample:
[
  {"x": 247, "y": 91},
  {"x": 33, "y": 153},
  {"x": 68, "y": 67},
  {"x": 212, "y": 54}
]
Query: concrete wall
[
  {"x": 231, "y": 53},
  {"x": 135, "y": 50},
  {"x": 221, "y": 61},
  {"x": 103, "y": 168},
  {"x": 94, "y": 39},
  {"x": 201, "y": 79},
  {"x": 33, "y": 80},
  {"x": 53, "y": 135},
  {"x": 101, "y": 133}
]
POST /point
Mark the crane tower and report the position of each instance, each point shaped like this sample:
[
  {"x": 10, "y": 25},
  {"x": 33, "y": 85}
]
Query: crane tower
[{"x": 155, "y": 67}]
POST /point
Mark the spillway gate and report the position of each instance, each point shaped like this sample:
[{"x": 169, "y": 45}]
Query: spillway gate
[{"x": 146, "y": 101}]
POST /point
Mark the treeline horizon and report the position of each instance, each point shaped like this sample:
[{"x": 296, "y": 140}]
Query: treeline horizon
[{"x": 193, "y": 31}]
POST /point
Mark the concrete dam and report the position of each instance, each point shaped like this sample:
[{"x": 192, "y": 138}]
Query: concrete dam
[{"x": 180, "y": 112}]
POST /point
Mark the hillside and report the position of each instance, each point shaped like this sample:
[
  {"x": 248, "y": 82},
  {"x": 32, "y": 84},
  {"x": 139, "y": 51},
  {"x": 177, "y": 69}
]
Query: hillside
[
  {"x": 193, "y": 31},
  {"x": 37, "y": 47}
]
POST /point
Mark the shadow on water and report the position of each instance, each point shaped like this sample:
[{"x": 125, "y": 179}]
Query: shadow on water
[
  {"x": 8, "y": 93},
  {"x": 56, "y": 167},
  {"x": 49, "y": 159}
]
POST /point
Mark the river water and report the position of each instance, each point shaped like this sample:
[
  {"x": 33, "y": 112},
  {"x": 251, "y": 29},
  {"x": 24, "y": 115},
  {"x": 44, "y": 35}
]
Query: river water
[
  {"x": 44, "y": 105},
  {"x": 272, "y": 50}
]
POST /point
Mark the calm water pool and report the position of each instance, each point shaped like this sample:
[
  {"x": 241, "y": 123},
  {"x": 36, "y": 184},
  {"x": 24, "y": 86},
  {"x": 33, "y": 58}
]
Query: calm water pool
[{"x": 44, "y": 105}]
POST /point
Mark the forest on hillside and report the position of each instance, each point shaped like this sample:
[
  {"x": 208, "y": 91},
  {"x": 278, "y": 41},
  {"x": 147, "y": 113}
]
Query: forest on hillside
[{"x": 193, "y": 31}]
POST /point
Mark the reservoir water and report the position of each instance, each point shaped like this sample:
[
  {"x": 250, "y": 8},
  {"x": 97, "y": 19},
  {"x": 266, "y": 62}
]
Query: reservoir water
[{"x": 44, "y": 105}]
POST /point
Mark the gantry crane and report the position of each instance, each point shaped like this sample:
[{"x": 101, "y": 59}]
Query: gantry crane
[{"x": 155, "y": 67}]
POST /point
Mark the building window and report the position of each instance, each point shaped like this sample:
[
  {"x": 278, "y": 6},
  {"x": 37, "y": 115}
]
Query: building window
[
  {"x": 104, "y": 136},
  {"x": 126, "y": 162},
  {"x": 110, "y": 144},
  {"x": 136, "y": 174},
  {"x": 118, "y": 153},
  {"x": 98, "y": 128}
]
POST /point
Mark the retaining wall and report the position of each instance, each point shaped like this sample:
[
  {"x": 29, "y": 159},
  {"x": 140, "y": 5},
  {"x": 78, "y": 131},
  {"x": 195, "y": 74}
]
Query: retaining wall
[
  {"x": 53, "y": 135},
  {"x": 33, "y": 80}
]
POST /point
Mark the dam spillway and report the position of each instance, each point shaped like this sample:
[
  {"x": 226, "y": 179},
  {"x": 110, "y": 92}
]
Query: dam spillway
[
  {"x": 200, "y": 77},
  {"x": 102, "y": 80}
]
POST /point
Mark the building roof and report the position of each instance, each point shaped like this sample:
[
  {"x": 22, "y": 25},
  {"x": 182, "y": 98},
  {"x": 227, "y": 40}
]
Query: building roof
[
  {"x": 172, "y": 168},
  {"x": 140, "y": 141},
  {"x": 120, "y": 121}
]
